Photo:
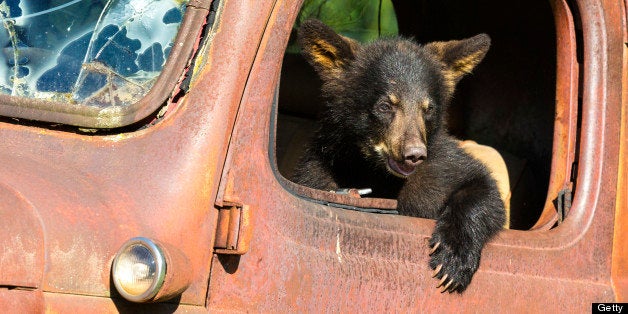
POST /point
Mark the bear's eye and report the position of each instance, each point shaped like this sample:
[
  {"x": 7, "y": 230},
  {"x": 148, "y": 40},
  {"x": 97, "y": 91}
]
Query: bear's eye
[
  {"x": 383, "y": 107},
  {"x": 429, "y": 109}
]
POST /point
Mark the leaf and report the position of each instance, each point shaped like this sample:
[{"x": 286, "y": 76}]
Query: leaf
[{"x": 363, "y": 20}]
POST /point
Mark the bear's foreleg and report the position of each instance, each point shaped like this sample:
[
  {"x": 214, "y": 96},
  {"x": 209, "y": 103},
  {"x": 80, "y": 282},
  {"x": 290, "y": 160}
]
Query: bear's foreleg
[
  {"x": 470, "y": 217},
  {"x": 313, "y": 173}
]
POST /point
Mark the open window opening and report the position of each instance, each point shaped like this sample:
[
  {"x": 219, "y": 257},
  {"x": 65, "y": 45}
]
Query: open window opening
[{"x": 521, "y": 100}]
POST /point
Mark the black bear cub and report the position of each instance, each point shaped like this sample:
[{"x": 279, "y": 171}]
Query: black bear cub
[{"x": 383, "y": 128}]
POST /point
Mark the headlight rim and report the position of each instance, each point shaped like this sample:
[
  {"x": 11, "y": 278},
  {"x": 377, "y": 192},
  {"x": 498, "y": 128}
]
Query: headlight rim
[{"x": 160, "y": 270}]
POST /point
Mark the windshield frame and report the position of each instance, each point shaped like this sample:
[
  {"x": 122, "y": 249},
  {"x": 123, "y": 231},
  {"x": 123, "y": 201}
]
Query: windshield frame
[{"x": 85, "y": 116}]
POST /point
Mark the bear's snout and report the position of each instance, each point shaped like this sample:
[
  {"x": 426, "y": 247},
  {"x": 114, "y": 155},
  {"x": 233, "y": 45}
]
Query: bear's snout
[{"x": 414, "y": 155}]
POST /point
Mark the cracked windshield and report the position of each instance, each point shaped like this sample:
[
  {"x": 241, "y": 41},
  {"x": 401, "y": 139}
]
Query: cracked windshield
[{"x": 98, "y": 53}]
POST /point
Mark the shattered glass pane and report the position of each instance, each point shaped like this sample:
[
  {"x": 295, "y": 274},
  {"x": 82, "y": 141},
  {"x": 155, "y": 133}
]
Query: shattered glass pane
[{"x": 95, "y": 52}]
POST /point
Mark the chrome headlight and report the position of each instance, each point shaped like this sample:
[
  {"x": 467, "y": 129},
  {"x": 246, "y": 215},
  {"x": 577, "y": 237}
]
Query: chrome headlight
[{"x": 139, "y": 269}]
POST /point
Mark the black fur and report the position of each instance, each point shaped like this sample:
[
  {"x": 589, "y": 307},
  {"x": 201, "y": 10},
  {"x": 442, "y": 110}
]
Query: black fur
[{"x": 384, "y": 128}]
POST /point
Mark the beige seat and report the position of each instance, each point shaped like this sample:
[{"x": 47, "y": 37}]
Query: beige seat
[{"x": 497, "y": 166}]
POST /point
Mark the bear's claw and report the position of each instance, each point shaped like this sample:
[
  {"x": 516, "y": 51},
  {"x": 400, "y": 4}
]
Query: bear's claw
[
  {"x": 446, "y": 287},
  {"x": 442, "y": 280},
  {"x": 437, "y": 270},
  {"x": 449, "y": 287},
  {"x": 434, "y": 248},
  {"x": 452, "y": 266}
]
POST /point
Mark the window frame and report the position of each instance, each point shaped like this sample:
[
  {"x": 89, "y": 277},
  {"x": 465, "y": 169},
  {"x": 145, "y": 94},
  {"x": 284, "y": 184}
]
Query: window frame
[{"x": 564, "y": 137}]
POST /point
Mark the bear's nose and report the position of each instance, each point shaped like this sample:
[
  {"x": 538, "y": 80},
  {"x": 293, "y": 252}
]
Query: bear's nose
[{"x": 415, "y": 155}]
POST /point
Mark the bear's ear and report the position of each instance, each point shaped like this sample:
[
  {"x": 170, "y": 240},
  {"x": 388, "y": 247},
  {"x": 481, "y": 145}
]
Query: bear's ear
[
  {"x": 460, "y": 56},
  {"x": 325, "y": 50}
]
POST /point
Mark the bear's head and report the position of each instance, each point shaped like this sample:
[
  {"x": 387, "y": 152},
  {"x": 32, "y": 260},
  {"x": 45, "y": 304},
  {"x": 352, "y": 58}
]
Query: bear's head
[{"x": 388, "y": 97}]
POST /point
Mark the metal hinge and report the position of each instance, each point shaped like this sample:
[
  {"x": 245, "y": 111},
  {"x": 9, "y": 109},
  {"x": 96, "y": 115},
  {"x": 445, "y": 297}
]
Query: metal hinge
[
  {"x": 234, "y": 230},
  {"x": 563, "y": 203},
  {"x": 564, "y": 197}
]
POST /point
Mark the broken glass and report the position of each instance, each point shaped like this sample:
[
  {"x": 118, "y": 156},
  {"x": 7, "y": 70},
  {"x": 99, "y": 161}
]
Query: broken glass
[{"x": 95, "y": 52}]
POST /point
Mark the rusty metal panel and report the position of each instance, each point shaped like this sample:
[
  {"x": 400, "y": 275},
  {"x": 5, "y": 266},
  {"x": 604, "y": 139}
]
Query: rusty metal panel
[
  {"x": 67, "y": 303},
  {"x": 21, "y": 301},
  {"x": 21, "y": 241},
  {"x": 620, "y": 236},
  {"x": 565, "y": 123},
  {"x": 306, "y": 256},
  {"x": 93, "y": 192}
]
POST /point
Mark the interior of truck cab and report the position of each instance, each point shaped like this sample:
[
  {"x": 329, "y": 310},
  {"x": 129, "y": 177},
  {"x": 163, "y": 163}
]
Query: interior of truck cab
[{"x": 508, "y": 104}]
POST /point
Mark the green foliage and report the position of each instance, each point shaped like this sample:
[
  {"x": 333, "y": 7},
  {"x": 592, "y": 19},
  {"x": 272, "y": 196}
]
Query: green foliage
[{"x": 362, "y": 20}]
